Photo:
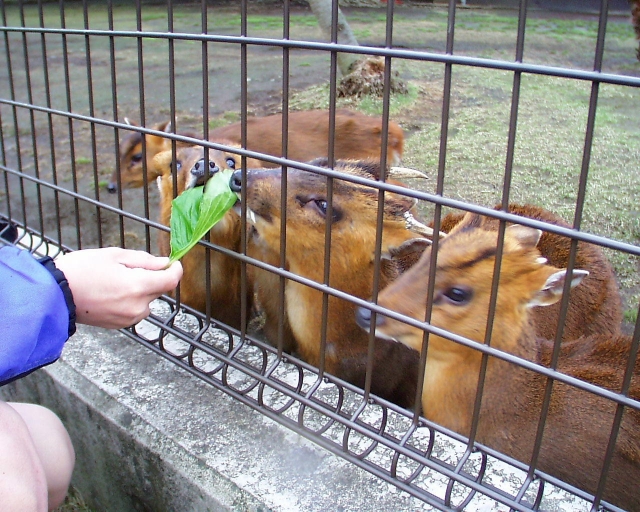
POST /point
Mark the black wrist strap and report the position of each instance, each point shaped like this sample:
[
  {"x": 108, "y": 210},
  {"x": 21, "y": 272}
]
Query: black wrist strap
[{"x": 61, "y": 279}]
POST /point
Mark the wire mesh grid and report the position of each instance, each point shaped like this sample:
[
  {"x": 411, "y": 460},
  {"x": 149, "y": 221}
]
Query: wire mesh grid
[{"x": 56, "y": 59}]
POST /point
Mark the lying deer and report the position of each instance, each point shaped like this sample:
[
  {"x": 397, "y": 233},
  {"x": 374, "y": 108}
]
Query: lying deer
[
  {"x": 579, "y": 423},
  {"x": 595, "y": 306},
  {"x": 225, "y": 291},
  {"x": 353, "y": 236},
  {"x": 357, "y": 136}
]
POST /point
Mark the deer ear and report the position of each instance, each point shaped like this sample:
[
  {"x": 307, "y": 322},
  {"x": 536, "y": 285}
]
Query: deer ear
[
  {"x": 396, "y": 260},
  {"x": 470, "y": 220},
  {"x": 408, "y": 252},
  {"x": 157, "y": 143},
  {"x": 526, "y": 236},
  {"x": 551, "y": 292},
  {"x": 165, "y": 127}
]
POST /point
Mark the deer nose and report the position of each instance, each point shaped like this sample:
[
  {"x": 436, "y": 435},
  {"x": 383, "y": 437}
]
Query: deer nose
[
  {"x": 198, "y": 169},
  {"x": 363, "y": 318},
  {"x": 235, "y": 183},
  {"x": 112, "y": 188}
]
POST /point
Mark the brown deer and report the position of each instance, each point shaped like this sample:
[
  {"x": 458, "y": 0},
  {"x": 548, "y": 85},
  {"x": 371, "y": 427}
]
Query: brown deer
[
  {"x": 595, "y": 306},
  {"x": 353, "y": 236},
  {"x": 357, "y": 136},
  {"x": 131, "y": 156},
  {"x": 225, "y": 271},
  {"x": 579, "y": 423}
]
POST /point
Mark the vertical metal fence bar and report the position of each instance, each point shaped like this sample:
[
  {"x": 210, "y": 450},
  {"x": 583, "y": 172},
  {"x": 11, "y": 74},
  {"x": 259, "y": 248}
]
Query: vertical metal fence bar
[
  {"x": 586, "y": 160},
  {"x": 52, "y": 146},
  {"x": 501, "y": 230},
  {"x": 244, "y": 106},
  {"x": 143, "y": 122},
  {"x": 72, "y": 146},
  {"x": 114, "y": 106},
  {"x": 384, "y": 139},
  {"x": 3, "y": 162},
  {"x": 333, "y": 73},
  {"x": 92, "y": 126},
  {"x": 14, "y": 112},
  {"x": 634, "y": 351},
  {"x": 282, "y": 321},
  {"x": 508, "y": 173},
  {"x": 577, "y": 220},
  {"x": 3, "y": 148},
  {"x": 205, "y": 134},
  {"x": 32, "y": 121},
  {"x": 172, "y": 85},
  {"x": 442, "y": 156}
]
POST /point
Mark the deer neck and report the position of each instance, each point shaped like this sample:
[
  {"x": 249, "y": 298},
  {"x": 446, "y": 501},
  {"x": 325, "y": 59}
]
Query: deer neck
[
  {"x": 305, "y": 305},
  {"x": 451, "y": 383}
]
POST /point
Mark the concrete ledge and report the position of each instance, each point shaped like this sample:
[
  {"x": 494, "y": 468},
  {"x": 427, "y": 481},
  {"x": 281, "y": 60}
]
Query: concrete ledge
[{"x": 150, "y": 436}]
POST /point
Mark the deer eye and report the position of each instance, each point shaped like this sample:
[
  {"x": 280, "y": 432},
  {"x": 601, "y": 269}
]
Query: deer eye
[
  {"x": 137, "y": 158},
  {"x": 178, "y": 165},
  {"x": 458, "y": 295},
  {"x": 231, "y": 163},
  {"x": 321, "y": 205}
]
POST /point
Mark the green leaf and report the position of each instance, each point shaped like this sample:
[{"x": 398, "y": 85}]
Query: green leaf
[{"x": 197, "y": 210}]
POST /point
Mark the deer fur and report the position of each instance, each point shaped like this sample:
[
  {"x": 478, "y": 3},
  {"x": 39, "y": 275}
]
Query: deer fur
[
  {"x": 579, "y": 424},
  {"x": 595, "y": 306},
  {"x": 225, "y": 271},
  {"x": 356, "y": 136},
  {"x": 353, "y": 235}
]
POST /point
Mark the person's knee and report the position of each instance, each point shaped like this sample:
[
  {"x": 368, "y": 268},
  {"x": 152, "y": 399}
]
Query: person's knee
[
  {"x": 53, "y": 446},
  {"x": 23, "y": 484}
]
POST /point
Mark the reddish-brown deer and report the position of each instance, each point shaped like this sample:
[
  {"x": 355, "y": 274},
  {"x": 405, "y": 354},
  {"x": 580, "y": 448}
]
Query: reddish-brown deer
[
  {"x": 132, "y": 156},
  {"x": 579, "y": 423},
  {"x": 357, "y": 136},
  {"x": 224, "y": 292},
  {"x": 595, "y": 306},
  {"x": 353, "y": 236}
]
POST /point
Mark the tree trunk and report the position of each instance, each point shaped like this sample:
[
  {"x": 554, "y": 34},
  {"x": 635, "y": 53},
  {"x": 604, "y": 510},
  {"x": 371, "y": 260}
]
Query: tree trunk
[{"x": 322, "y": 9}]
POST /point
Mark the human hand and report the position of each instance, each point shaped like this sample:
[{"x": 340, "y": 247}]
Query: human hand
[{"x": 113, "y": 287}]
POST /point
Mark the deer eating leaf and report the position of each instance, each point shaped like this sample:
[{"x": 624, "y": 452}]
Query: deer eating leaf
[{"x": 196, "y": 211}]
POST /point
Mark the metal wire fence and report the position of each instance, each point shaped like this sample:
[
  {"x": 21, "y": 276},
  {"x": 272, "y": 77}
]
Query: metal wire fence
[{"x": 73, "y": 71}]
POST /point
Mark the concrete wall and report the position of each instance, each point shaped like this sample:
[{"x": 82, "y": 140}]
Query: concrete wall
[{"x": 151, "y": 437}]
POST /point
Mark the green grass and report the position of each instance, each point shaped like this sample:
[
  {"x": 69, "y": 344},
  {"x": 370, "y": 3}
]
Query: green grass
[{"x": 74, "y": 502}]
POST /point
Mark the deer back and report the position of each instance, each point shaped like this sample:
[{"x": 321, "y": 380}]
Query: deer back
[{"x": 357, "y": 136}]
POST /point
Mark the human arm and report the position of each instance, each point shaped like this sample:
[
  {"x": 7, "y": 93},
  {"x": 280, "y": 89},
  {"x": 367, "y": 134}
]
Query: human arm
[
  {"x": 113, "y": 287},
  {"x": 109, "y": 287}
]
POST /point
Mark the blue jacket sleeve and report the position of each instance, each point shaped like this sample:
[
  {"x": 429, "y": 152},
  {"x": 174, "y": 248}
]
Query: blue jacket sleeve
[{"x": 36, "y": 315}]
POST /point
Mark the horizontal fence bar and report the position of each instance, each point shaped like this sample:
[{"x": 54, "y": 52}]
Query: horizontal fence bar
[{"x": 520, "y": 67}]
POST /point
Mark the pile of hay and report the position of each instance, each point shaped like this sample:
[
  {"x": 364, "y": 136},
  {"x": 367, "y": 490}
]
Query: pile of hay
[{"x": 367, "y": 78}]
